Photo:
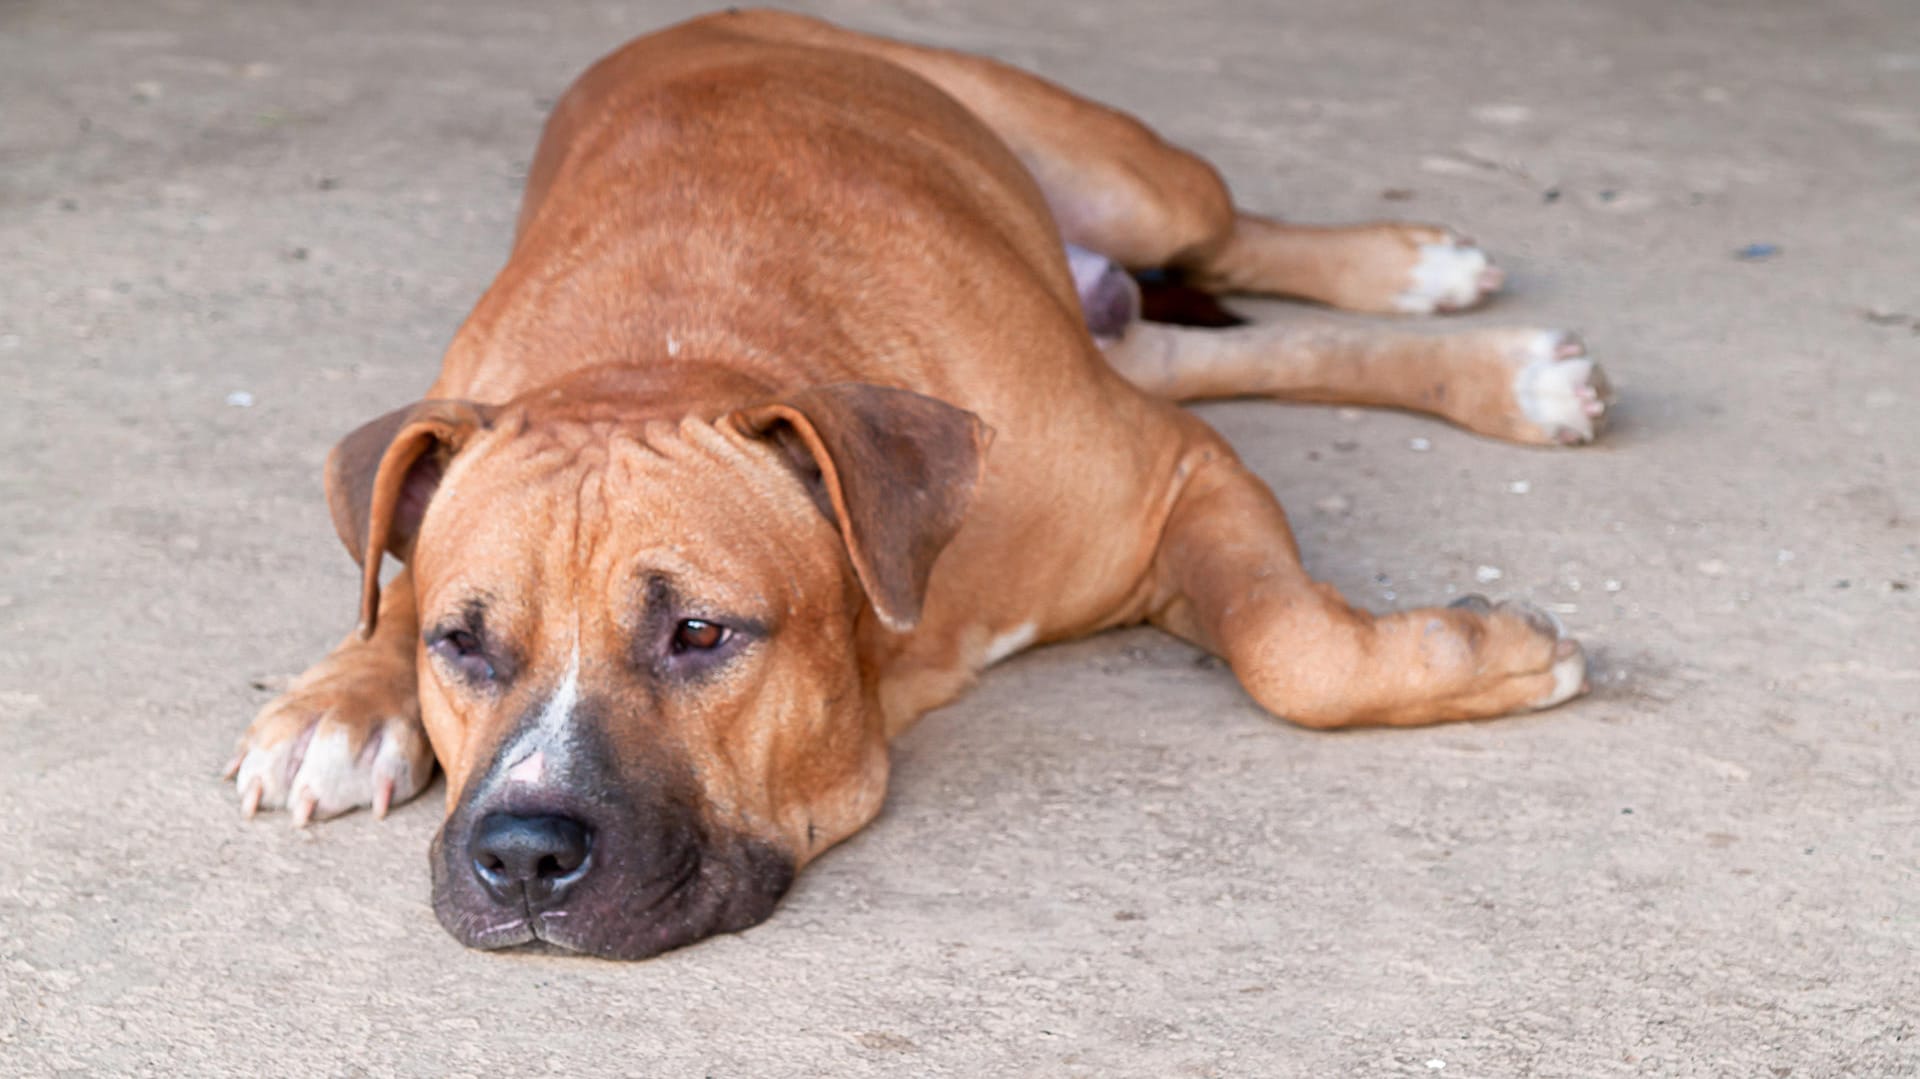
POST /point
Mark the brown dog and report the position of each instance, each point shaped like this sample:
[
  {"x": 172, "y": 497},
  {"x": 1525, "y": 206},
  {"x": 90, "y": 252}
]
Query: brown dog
[{"x": 810, "y": 389}]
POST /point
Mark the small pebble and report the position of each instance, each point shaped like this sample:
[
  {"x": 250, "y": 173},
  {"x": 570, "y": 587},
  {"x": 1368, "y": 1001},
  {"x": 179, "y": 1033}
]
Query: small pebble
[
  {"x": 240, "y": 399},
  {"x": 1348, "y": 415},
  {"x": 1436, "y": 1064},
  {"x": 1334, "y": 505},
  {"x": 1785, "y": 556},
  {"x": 1519, "y": 487},
  {"x": 1487, "y": 574},
  {"x": 1712, "y": 567},
  {"x": 1419, "y": 445},
  {"x": 1757, "y": 252},
  {"x": 1612, "y": 585}
]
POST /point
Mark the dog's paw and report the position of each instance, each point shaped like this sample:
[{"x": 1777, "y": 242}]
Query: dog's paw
[
  {"x": 346, "y": 734},
  {"x": 1551, "y": 675},
  {"x": 1448, "y": 274},
  {"x": 1559, "y": 390}
]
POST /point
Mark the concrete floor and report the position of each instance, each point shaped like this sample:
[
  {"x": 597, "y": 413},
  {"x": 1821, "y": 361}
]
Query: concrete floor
[{"x": 231, "y": 231}]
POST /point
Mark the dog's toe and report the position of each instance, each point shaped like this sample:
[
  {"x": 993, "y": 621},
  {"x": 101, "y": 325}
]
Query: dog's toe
[
  {"x": 1449, "y": 274},
  {"x": 344, "y": 770},
  {"x": 1566, "y": 664},
  {"x": 1559, "y": 388}
]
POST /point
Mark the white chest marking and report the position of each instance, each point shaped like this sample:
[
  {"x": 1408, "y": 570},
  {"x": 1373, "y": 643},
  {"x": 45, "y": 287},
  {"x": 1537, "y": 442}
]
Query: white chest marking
[{"x": 1010, "y": 642}]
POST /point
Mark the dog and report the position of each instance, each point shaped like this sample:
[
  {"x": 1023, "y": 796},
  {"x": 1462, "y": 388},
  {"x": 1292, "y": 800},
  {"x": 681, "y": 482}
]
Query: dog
[{"x": 815, "y": 384}]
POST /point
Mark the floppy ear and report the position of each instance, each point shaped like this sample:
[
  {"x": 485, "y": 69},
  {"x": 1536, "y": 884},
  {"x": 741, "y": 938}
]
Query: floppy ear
[
  {"x": 894, "y": 470},
  {"x": 380, "y": 477}
]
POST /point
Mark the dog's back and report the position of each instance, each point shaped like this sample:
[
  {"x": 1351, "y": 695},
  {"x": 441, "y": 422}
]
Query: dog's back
[{"x": 696, "y": 191}]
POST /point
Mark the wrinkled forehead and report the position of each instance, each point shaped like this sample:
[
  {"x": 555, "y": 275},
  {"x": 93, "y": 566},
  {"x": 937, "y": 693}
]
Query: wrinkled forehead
[{"x": 559, "y": 508}]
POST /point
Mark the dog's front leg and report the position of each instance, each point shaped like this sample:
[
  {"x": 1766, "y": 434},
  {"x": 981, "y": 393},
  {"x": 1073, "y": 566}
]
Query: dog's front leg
[
  {"x": 346, "y": 733},
  {"x": 1230, "y": 580}
]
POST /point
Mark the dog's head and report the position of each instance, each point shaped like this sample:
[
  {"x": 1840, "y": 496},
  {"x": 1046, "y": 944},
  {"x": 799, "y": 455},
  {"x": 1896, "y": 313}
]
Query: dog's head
[{"x": 639, "y": 649}]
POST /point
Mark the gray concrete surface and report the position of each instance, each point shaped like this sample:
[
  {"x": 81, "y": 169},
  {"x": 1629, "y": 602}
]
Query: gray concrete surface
[{"x": 1105, "y": 861}]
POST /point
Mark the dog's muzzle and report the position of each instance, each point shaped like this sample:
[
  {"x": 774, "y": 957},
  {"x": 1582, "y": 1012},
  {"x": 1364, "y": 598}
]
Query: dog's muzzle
[{"x": 578, "y": 855}]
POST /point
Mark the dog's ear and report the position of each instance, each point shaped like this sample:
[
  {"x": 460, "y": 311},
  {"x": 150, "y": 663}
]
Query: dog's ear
[
  {"x": 894, "y": 470},
  {"x": 380, "y": 477}
]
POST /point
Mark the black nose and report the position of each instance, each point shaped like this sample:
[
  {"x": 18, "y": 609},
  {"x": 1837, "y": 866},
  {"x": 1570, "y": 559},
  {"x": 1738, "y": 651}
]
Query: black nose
[{"x": 529, "y": 859}]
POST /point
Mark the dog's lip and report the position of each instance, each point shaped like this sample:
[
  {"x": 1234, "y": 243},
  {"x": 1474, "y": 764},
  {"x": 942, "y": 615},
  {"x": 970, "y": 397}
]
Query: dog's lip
[
  {"x": 652, "y": 924},
  {"x": 515, "y": 929},
  {"x": 551, "y": 928}
]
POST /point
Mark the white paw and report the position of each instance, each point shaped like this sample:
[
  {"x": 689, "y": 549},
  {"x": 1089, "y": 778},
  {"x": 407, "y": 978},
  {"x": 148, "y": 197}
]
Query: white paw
[
  {"x": 326, "y": 766},
  {"x": 1560, "y": 389},
  {"x": 1449, "y": 275}
]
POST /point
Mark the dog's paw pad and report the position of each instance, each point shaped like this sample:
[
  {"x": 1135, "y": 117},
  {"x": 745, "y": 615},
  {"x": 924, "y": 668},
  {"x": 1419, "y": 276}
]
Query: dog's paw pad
[
  {"x": 1560, "y": 389},
  {"x": 1448, "y": 274}
]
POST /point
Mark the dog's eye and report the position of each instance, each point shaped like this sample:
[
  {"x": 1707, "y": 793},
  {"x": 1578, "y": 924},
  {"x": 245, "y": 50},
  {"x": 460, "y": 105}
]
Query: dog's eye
[
  {"x": 459, "y": 642},
  {"x": 460, "y": 649},
  {"x": 698, "y": 635}
]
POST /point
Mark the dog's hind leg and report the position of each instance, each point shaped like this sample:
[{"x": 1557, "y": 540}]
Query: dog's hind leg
[
  {"x": 1228, "y": 578},
  {"x": 1531, "y": 386},
  {"x": 1385, "y": 267},
  {"x": 1117, "y": 188},
  {"x": 347, "y": 733}
]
